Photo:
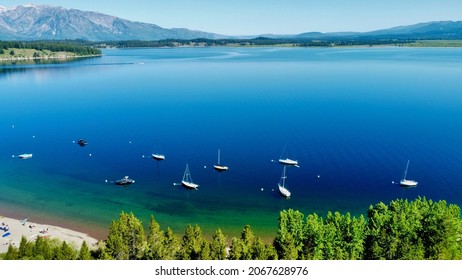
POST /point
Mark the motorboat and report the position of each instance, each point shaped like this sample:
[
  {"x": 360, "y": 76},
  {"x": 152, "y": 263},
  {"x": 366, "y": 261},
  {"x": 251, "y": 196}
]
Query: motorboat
[{"x": 125, "y": 181}]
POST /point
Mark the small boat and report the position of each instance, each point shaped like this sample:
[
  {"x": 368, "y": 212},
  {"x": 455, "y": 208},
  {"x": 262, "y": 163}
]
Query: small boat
[
  {"x": 282, "y": 184},
  {"x": 82, "y": 143},
  {"x": 158, "y": 157},
  {"x": 6, "y": 234},
  {"x": 125, "y": 181},
  {"x": 187, "y": 181},
  {"x": 405, "y": 182},
  {"x": 218, "y": 167},
  {"x": 288, "y": 161},
  {"x": 25, "y": 156}
]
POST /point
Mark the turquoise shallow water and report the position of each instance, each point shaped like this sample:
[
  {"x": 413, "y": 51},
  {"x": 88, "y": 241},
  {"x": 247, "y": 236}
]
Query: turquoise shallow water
[{"x": 352, "y": 117}]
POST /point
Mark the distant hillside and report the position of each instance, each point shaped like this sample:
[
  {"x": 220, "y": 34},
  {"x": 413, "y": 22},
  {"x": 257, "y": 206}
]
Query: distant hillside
[
  {"x": 428, "y": 30},
  {"x": 39, "y": 22},
  {"x": 437, "y": 30}
]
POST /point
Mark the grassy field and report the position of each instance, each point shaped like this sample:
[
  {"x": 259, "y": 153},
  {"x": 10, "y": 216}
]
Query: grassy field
[
  {"x": 26, "y": 54},
  {"x": 436, "y": 43}
]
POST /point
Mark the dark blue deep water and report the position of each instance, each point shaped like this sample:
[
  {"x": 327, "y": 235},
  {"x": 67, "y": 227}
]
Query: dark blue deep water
[{"x": 352, "y": 117}]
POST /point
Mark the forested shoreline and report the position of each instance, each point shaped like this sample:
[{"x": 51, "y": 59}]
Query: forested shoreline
[
  {"x": 253, "y": 42},
  {"x": 67, "y": 49},
  {"x": 418, "y": 230},
  {"x": 22, "y": 50}
]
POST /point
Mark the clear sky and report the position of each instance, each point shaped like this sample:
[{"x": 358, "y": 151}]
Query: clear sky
[{"x": 254, "y": 17}]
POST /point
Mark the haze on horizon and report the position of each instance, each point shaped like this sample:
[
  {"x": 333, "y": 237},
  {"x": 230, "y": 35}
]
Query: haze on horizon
[{"x": 243, "y": 17}]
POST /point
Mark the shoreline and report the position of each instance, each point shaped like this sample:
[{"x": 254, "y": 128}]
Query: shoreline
[
  {"x": 31, "y": 230},
  {"x": 95, "y": 230}
]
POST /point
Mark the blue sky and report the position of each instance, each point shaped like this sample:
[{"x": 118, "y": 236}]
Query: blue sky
[{"x": 253, "y": 17}]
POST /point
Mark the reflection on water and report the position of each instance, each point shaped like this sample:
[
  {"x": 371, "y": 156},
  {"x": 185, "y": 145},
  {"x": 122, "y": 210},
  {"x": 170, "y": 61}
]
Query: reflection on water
[{"x": 7, "y": 68}]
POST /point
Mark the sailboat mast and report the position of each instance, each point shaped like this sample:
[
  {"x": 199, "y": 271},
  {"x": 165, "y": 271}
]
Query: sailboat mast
[
  {"x": 186, "y": 174},
  {"x": 405, "y": 171},
  {"x": 284, "y": 177},
  {"x": 218, "y": 156}
]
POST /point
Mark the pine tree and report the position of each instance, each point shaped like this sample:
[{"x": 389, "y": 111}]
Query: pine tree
[
  {"x": 236, "y": 251},
  {"x": 241, "y": 249},
  {"x": 25, "y": 249},
  {"x": 126, "y": 238},
  {"x": 65, "y": 252},
  {"x": 191, "y": 243},
  {"x": 155, "y": 241},
  {"x": 12, "y": 253},
  {"x": 171, "y": 245},
  {"x": 42, "y": 249},
  {"x": 218, "y": 247},
  {"x": 313, "y": 243},
  {"x": 441, "y": 229},
  {"x": 290, "y": 234},
  {"x": 84, "y": 253},
  {"x": 259, "y": 250},
  {"x": 205, "y": 253}
]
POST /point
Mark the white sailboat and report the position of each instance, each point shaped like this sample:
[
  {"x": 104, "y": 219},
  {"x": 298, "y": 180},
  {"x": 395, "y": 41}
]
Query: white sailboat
[
  {"x": 282, "y": 184},
  {"x": 25, "y": 156},
  {"x": 158, "y": 156},
  {"x": 187, "y": 181},
  {"x": 287, "y": 160},
  {"x": 218, "y": 167},
  {"x": 405, "y": 182}
]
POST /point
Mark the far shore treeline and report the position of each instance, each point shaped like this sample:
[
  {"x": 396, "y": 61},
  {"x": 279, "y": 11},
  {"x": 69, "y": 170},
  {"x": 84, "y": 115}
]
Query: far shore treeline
[
  {"x": 93, "y": 48},
  {"x": 258, "y": 41},
  {"x": 418, "y": 230}
]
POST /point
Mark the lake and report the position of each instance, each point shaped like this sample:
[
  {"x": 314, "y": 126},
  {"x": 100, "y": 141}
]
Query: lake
[{"x": 352, "y": 117}]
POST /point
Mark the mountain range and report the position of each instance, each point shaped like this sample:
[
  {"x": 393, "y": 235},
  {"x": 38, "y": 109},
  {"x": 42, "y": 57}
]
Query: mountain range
[{"x": 42, "y": 22}]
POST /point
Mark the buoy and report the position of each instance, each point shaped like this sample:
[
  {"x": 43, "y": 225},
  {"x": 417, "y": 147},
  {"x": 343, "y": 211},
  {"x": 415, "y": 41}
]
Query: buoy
[
  {"x": 89, "y": 155},
  {"x": 105, "y": 181},
  {"x": 319, "y": 176},
  {"x": 205, "y": 166},
  {"x": 261, "y": 189}
]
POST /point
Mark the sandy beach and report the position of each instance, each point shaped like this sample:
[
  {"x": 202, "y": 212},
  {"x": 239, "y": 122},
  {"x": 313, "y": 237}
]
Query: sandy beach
[{"x": 29, "y": 229}]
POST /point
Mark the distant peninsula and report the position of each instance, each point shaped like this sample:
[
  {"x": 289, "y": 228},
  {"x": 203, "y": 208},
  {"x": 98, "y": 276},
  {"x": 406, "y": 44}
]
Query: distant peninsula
[{"x": 41, "y": 50}]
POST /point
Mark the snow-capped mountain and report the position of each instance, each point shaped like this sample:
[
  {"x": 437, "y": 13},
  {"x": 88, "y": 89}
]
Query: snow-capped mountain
[{"x": 41, "y": 22}]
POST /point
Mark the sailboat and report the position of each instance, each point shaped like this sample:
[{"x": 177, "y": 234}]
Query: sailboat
[
  {"x": 218, "y": 167},
  {"x": 287, "y": 161},
  {"x": 187, "y": 181},
  {"x": 405, "y": 182},
  {"x": 282, "y": 184},
  {"x": 158, "y": 156},
  {"x": 25, "y": 156}
]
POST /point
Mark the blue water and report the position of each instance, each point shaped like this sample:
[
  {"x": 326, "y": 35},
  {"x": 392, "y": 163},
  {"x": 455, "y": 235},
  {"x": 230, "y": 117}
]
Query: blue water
[{"x": 351, "y": 116}]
